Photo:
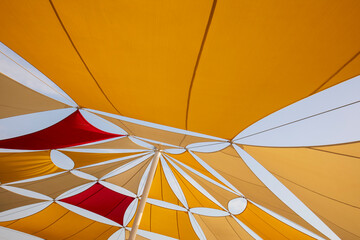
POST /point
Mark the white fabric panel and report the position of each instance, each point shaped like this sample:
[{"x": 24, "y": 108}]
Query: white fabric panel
[
  {"x": 83, "y": 175},
  {"x": 342, "y": 94},
  {"x": 98, "y": 150},
  {"x": 141, "y": 143},
  {"x": 175, "y": 150},
  {"x": 335, "y": 127},
  {"x": 118, "y": 189},
  {"x": 61, "y": 160},
  {"x": 284, "y": 194},
  {"x": 27, "y": 193},
  {"x": 199, "y": 232},
  {"x": 288, "y": 222},
  {"x": 75, "y": 190},
  {"x": 173, "y": 183},
  {"x": 35, "y": 178},
  {"x": 153, "y": 236},
  {"x": 24, "y": 211},
  {"x": 11, "y": 234},
  {"x": 195, "y": 184},
  {"x": 201, "y": 175},
  {"x": 237, "y": 205},
  {"x": 143, "y": 180},
  {"x": 98, "y": 142},
  {"x": 157, "y": 126},
  {"x": 16, "y": 68},
  {"x": 28, "y": 123},
  {"x": 126, "y": 166},
  {"x": 207, "y": 147},
  {"x": 130, "y": 211},
  {"x": 165, "y": 204},
  {"x": 88, "y": 214},
  {"x": 114, "y": 160},
  {"x": 102, "y": 124},
  {"x": 210, "y": 212},
  {"x": 215, "y": 174},
  {"x": 247, "y": 229},
  {"x": 118, "y": 235},
  {"x": 156, "y": 142}
]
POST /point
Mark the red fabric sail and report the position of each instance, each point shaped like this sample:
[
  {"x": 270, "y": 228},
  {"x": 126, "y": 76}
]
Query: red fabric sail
[
  {"x": 71, "y": 131},
  {"x": 103, "y": 201}
]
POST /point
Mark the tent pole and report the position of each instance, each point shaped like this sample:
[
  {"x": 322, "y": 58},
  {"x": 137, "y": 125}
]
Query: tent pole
[{"x": 144, "y": 195}]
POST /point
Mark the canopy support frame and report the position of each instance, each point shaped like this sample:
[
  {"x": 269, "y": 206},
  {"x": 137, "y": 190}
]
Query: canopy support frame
[{"x": 145, "y": 195}]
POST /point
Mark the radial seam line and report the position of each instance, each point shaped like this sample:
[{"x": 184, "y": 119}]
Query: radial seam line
[
  {"x": 336, "y": 73},
  {"x": 198, "y": 60},
  {"x": 78, "y": 53}
]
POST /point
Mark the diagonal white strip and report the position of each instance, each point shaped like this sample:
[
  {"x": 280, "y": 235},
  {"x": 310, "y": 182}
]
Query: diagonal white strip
[
  {"x": 175, "y": 150},
  {"x": 173, "y": 183},
  {"x": 143, "y": 180},
  {"x": 27, "y": 193},
  {"x": 215, "y": 174},
  {"x": 157, "y": 142},
  {"x": 157, "y": 126},
  {"x": 118, "y": 189},
  {"x": 167, "y": 205},
  {"x": 11, "y": 234},
  {"x": 247, "y": 229},
  {"x": 6, "y": 150},
  {"x": 24, "y": 211},
  {"x": 324, "y": 109},
  {"x": 102, "y": 124},
  {"x": 153, "y": 236},
  {"x": 201, "y": 175},
  {"x": 199, "y": 232},
  {"x": 195, "y": 184},
  {"x": 130, "y": 212},
  {"x": 126, "y": 166},
  {"x": 95, "y": 143},
  {"x": 34, "y": 179},
  {"x": 288, "y": 222},
  {"x": 114, "y": 160},
  {"x": 284, "y": 194},
  {"x": 15, "y": 67},
  {"x": 83, "y": 175},
  {"x": 210, "y": 212},
  {"x": 30, "y": 123},
  {"x": 75, "y": 190},
  {"x": 207, "y": 147},
  {"x": 88, "y": 214},
  {"x": 141, "y": 143},
  {"x": 118, "y": 235}
]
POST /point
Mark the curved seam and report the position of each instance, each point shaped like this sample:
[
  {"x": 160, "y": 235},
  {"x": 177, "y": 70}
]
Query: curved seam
[
  {"x": 341, "y": 154},
  {"x": 51, "y": 223},
  {"x": 104, "y": 232},
  {"x": 78, "y": 53},
  {"x": 232, "y": 227},
  {"x": 198, "y": 60},
  {"x": 78, "y": 231},
  {"x": 336, "y": 73}
]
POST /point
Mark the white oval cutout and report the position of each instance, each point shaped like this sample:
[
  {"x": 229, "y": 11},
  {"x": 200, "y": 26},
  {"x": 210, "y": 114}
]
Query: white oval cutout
[
  {"x": 61, "y": 160},
  {"x": 237, "y": 205}
]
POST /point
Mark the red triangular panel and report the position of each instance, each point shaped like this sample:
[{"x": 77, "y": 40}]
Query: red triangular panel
[
  {"x": 71, "y": 131},
  {"x": 103, "y": 201}
]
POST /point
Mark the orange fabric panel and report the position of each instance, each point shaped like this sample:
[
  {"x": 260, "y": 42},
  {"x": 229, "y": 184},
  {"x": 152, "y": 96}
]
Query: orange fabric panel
[
  {"x": 19, "y": 166},
  {"x": 17, "y": 99},
  {"x": 323, "y": 179},
  {"x": 268, "y": 227},
  {"x": 56, "y": 222}
]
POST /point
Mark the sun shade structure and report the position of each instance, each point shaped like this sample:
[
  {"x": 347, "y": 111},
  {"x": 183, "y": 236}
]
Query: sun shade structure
[{"x": 179, "y": 119}]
